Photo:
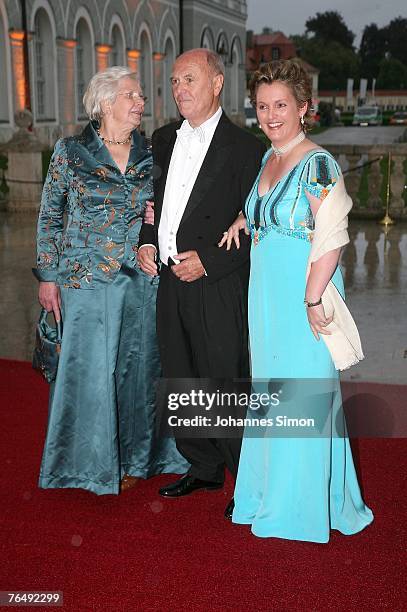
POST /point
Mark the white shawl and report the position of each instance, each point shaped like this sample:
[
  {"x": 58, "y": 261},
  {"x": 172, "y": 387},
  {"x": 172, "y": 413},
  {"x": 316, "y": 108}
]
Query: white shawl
[{"x": 331, "y": 223}]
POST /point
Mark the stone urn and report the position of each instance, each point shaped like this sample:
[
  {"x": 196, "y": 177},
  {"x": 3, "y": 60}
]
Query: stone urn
[{"x": 24, "y": 172}]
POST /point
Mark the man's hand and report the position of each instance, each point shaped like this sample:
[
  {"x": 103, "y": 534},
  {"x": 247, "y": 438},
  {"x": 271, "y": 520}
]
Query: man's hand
[
  {"x": 50, "y": 298},
  {"x": 190, "y": 268},
  {"x": 146, "y": 260}
]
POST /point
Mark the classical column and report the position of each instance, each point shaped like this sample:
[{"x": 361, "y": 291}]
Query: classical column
[
  {"x": 158, "y": 93},
  {"x": 226, "y": 93},
  {"x": 133, "y": 56},
  {"x": 242, "y": 93},
  {"x": 66, "y": 84},
  {"x": 18, "y": 67},
  {"x": 102, "y": 56}
]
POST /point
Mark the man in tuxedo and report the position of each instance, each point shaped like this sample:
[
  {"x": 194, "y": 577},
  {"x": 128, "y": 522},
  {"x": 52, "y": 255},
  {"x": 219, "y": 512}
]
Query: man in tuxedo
[{"x": 205, "y": 167}]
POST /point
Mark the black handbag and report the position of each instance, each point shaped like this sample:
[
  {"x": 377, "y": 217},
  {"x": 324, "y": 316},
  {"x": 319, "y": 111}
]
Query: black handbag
[{"x": 47, "y": 347}]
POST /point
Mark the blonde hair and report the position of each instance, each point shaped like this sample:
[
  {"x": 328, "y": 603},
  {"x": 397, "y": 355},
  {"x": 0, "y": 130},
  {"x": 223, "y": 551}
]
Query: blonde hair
[
  {"x": 293, "y": 74},
  {"x": 102, "y": 87}
]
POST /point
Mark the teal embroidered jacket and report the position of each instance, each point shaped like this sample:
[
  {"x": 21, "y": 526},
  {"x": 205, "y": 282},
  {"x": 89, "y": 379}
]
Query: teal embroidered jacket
[{"x": 91, "y": 213}]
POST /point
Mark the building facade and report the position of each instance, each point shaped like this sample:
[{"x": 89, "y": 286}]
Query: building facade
[
  {"x": 269, "y": 46},
  {"x": 386, "y": 99},
  {"x": 266, "y": 47},
  {"x": 68, "y": 41}
]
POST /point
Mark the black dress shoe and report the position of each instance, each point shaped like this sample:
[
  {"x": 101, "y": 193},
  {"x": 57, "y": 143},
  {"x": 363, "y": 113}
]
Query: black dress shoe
[
  {"x": 229, "y": 509},
  {"x": 188, "y": 484}
]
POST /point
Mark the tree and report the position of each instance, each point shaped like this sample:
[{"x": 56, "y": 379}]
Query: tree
[
  {"x": 379, "y": 46},
  {"x": 335, "y": 62},
  {"x": 396, "y": 38},
  {"x": 330, "y": 48},
  {"x": 372, "y": 50},
  {"x": 392, "y": 74},
  {"x": 330, "y": 27}
]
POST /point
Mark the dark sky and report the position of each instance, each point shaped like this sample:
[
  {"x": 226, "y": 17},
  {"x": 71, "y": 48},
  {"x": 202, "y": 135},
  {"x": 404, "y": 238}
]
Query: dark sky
[{"x": 290, "y": 16}]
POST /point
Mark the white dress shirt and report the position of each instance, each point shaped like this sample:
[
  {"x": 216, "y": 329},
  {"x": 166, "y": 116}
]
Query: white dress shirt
[{"x": 189, "y": 152}]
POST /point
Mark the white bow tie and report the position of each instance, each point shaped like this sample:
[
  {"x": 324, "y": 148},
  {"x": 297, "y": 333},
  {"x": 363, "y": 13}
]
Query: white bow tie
[{"x": 188, "y": 133}]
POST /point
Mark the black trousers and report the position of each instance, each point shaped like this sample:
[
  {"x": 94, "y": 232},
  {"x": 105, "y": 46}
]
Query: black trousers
[{"x": 202, "y": 333}]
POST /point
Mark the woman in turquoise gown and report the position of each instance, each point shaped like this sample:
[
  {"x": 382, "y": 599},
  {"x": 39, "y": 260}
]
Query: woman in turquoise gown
[
  {"x": 101, "y": 433},
  {"x": 296, "y": 488}
]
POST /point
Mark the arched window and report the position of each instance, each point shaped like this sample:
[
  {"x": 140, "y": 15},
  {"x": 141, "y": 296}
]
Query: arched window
[
  {"x": 170, "y": 109},
  {"x": 4, "y": 109},
  {"x": 44, "y": 62},
  {"x": 146, "y": 71},
  {"x": 84, "y": 63},
  {"x": 222, "y": 47},
  {"x": 207, "y": 39},
  {"x": 117, "y": 55}
]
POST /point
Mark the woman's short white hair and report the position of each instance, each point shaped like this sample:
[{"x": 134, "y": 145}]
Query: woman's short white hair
[{"x": 103, "y": 86}]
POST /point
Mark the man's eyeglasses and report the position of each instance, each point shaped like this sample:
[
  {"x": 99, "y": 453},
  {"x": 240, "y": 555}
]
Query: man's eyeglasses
[{"x": 133, "y": 95}]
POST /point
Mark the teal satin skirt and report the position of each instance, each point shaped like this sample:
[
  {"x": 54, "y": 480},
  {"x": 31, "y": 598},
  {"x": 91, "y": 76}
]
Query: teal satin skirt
[{"x": 102, "y": 405}]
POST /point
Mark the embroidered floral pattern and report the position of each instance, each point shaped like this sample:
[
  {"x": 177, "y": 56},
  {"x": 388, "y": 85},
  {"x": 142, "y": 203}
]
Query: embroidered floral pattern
[{"x": 103, "y": 209}]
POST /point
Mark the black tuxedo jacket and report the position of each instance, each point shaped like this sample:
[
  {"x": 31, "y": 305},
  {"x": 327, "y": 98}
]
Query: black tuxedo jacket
[{"x": 223, "y": 183}]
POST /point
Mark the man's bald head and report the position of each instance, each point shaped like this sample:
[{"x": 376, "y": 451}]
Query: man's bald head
[
  {"x": 212, "y": 59},
  {"x": 197, "y": 81}
]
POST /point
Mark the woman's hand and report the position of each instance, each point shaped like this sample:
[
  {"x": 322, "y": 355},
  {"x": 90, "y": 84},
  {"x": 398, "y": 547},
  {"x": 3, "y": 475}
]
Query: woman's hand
[
  {"x": 49, "y": 297},
  {"x": 233, "y": 232},
  {"x": 318, "y": 321},
  {"x": 149, "y": 213}
]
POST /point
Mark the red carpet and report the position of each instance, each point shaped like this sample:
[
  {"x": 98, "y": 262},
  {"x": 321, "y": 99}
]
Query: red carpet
[{"x": 137, "y": 551}]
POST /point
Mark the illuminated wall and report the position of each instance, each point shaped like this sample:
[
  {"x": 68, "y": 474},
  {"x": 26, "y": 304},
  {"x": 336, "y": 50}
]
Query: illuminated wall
[
  {"x": 102, "y": 56},
  {"x": 4, "y": 98},
  {"x": 69, "y": 41},
  {"x": 17, "y": 62}
]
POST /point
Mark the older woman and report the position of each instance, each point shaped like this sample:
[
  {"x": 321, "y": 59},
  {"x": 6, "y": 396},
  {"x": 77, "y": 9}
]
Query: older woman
[
  {"x": 101, "y": 420},
  {"x": 298, "y": 484}
]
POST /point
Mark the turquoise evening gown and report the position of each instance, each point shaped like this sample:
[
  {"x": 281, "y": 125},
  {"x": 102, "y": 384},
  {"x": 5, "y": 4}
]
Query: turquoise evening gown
[{"x": 296, "y": 488}]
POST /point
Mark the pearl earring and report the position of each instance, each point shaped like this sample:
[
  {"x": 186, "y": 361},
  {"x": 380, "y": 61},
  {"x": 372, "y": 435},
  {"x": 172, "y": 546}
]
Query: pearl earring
[{"x": 302, "y": 120}]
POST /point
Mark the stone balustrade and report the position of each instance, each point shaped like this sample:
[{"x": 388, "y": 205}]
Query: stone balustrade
[{"x": 367, "y": 185}]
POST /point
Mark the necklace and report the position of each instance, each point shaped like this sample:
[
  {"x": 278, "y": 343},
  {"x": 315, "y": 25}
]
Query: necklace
[
  {"x": 290, "y": 145},
  {"x": 113, "y": 142}
]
